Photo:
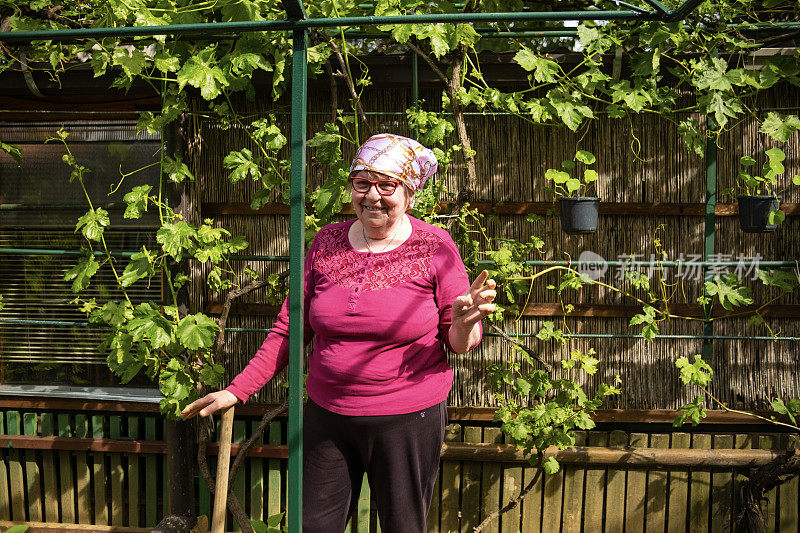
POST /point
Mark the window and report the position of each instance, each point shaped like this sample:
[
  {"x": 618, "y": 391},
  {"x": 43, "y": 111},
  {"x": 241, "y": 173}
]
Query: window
[{"x": 42, "y": 336}]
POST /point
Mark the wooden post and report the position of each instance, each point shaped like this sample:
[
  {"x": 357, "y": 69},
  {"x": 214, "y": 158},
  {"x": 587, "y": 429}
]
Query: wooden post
[{"x": 223, "y": 466}]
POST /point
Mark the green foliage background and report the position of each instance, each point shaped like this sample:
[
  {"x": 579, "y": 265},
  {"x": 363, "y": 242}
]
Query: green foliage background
[{"x": 697, "y": 65}]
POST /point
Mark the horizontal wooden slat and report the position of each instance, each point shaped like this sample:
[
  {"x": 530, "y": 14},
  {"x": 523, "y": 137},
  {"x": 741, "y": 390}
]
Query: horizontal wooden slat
[
  {"x": 597, "y": 455},
  {"x": 124, "y": 446},
  {"x": 241, "y": 308},
  {"x": 601, "y": 455},
  {"x": 34, "y": 527},
  {"x": 523, "y": 208},
  {"x": 476, "y": 414}
]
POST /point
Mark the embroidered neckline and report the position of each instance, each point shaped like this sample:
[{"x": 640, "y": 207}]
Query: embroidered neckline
[
  {"x": 401, "y": 245},
  {"x": 363, "y": 271}
]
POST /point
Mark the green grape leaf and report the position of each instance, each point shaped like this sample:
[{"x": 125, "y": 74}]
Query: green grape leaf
[
  {"x": 242, "y": 164},
  {"x": 115, "y": 314},
  {"x": 548, "y": 332},
  {"x": 584, "y": 421},
  {"x": 175, "y": 169},
  {"x": 710, "y": 75},
  {"x": 328, "y": 197},
  {"x": 132, "y": 61},
  {"x": 202, "y": 72},
  {"x": 721, "y": 105},
  {"x": 137, "y": 201},
  {"x": 328, "y": 145},
  {"x": 148, "y": 324},
  {"x": 83, "y": 271},
  {"x": 211, "y": 374},
  {"x": 269, "y": 135},
  {"x": 140, "y": 266},
  {"x": 783, "y": 279},
  {"x": 550, "y": 465},
  {"x": 698, "y": 372},
  {"x": 691, "y": 412},
  {"x": 167, "y": 63},
  {"x": 175, "y": 382},
  {"x": 92, "y": 224},
  {"x": 122, "y": 360},
  {"x": 791, "y": 409},
  {"x": 729, "y": 290},
  {"x": 693, "y": 138},
  {"x": 544, "y": 70},
  {"x": 176, "y": 238},
  {"x": 780, "y": 127},
  {"x": 437, "y": 35},
  {"x": 13, "y": 151},
  {"x": 197, "y": 331}
]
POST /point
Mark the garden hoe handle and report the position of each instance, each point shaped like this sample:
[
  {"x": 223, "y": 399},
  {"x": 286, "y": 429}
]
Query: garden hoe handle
[{"x": 223, "y": 466}]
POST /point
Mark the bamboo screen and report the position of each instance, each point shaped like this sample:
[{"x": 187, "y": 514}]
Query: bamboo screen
[{"x": 641, "y": 160}]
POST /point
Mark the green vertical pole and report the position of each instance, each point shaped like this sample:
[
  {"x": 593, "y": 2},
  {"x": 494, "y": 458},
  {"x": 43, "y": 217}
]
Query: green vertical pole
[
  {"x": 710, "y": 222},
  {"x": 415, "y": 85},
  {"x": 296, "y": 281}
]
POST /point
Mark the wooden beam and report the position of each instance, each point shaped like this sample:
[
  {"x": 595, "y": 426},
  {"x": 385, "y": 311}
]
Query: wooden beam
[
  {"x": 42, "y": 527},
  {"x": 624, "y": 457},
  {"x": 592, "y": 455},
  {"x": 243, "y": 308},
  {"x": 521, "y": 208}
]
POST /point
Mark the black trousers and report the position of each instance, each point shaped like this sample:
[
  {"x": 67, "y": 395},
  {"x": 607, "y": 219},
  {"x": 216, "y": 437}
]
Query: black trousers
[{"x": 399, "y": 453}]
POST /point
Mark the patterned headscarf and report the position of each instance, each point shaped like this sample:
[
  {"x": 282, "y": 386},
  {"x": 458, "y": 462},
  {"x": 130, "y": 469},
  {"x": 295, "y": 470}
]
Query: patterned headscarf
[{"x": 398, "y": 157}]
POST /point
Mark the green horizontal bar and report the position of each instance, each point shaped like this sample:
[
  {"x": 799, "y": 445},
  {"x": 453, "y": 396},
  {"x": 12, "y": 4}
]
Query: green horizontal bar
[
  {"x": 487, "y": 334},
  {"x": 30, "y": 321},
  {"x": 629, "y": 336},
  {"x": 34, "y": 322},
  {"x": 278, "y": 258},
  {"x": 58, "y": 207},
  {"x": 486, "y": 33},
  {"x": 258, "y": 257},
  {"x": 39, "y": 251},
  {"x": 284, "y": 25},
  {"x": 666, "y": 264}
]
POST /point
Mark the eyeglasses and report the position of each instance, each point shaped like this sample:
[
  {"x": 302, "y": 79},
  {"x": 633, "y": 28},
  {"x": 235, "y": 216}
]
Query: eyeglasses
[{"x": 384, "y": 187}]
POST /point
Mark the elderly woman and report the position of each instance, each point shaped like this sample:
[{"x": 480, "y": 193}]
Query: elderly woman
[{"x": 384, "y": 293}]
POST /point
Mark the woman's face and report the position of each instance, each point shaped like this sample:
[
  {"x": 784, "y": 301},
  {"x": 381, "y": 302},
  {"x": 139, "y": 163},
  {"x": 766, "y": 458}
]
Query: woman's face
[{"x": 375, "y": 210}]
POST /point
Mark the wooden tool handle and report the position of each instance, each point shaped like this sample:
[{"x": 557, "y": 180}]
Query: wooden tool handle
[{"x": 223, "y": 467}]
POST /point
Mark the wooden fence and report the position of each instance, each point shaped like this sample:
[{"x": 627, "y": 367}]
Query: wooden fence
[{"x": 101, "y": 469}]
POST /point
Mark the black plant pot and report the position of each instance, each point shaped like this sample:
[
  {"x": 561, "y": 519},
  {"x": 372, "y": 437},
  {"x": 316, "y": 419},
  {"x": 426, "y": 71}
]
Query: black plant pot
[
  {"x": 754, "y": 213},
  {"x": 579, "y": 215}
]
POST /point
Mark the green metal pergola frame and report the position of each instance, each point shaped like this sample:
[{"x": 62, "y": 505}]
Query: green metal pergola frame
[{"x": 298, "y": 23}]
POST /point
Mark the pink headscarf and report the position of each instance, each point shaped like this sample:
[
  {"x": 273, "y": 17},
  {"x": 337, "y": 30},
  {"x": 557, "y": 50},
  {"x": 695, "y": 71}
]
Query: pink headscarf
[{"x": 398, "y": 157}]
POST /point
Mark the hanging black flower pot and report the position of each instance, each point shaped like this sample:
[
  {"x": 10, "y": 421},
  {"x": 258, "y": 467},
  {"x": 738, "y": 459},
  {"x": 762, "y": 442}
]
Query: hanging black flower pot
[
  {"x": 754, "y": 213},
  {"x": 579, "y": 215}
]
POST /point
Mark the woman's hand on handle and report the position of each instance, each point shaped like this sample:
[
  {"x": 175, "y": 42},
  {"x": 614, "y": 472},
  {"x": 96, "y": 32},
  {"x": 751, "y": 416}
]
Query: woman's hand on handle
[
  {"x": 468, "y": 310},
  {"x": 209, "y": 404}
]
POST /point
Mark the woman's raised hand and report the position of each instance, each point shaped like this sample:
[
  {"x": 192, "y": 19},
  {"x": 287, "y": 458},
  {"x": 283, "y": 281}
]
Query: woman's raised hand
[
  {"x": 209, "y": 404},
  {"x": 476, "y": 303}
]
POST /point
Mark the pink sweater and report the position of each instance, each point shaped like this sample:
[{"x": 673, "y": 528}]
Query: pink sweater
[{"x": 378, "y": 322}]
